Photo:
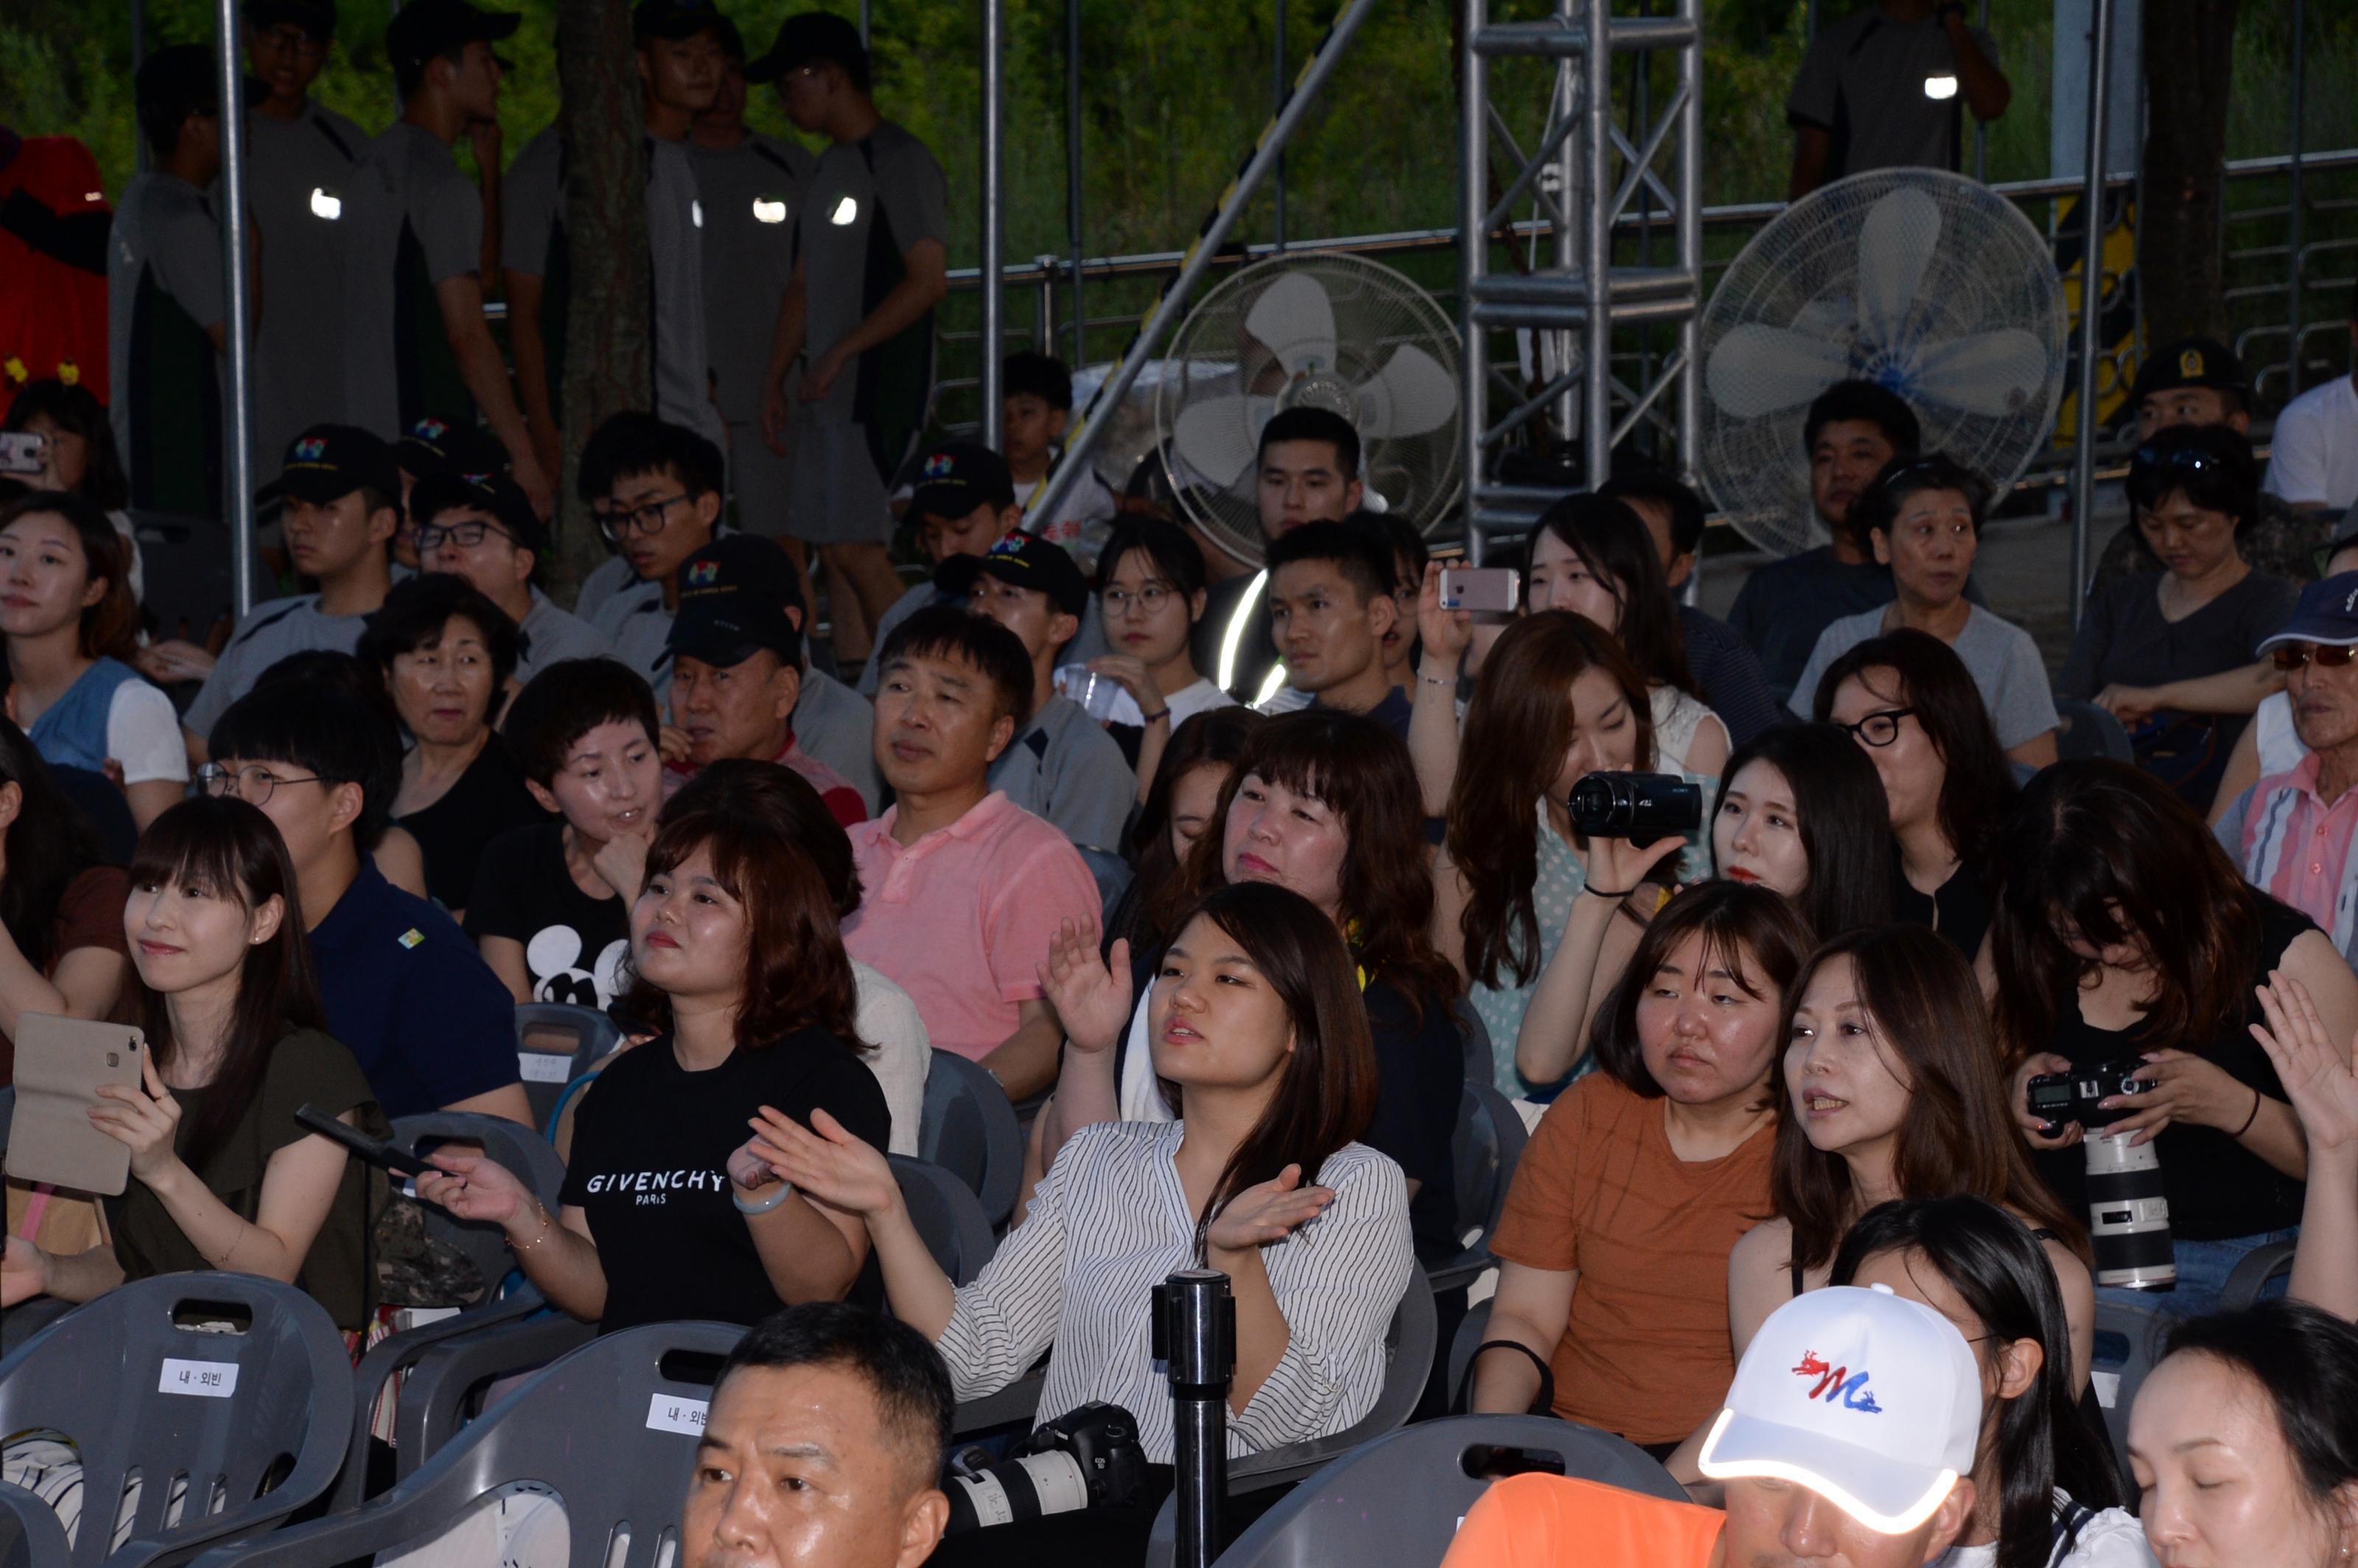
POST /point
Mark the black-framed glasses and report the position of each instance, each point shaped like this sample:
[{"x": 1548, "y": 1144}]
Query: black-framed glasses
[
  {"x": 1879, "y": 729},
  {"x": 252, "y": 784},
  {"x": 2290, "y": 656},
  {"x": 466, "y": 534},
  {"x": 646, "y": 519}
]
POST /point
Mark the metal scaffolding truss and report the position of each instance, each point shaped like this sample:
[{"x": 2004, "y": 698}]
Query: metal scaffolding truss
[{"x": 1581, "y": 179}]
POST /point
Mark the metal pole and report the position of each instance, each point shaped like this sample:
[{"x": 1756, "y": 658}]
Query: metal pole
[
  {"x": 863, "y": 23},
  {"x": 1474, "y": 257},
  {"x": 1596, "y": 435},
  {"x": 1571, "y": 200},
  {"x": 138, "y": 58},
  {"x": 237, "y": 470},
  {"x": 2092, "y": 301},
  {"x": 1198, "y": 1340},
  {"x": 1277, "y": 102},
  {"x": 1073, "y": 173},
  {"x": 1198, "y": 259},
  {"x": 1981, "y": 128},
  {"x": 2293, "y": 224},
  {"x": 994, "y": 198},
  {"x": 1689, "y": 392}
]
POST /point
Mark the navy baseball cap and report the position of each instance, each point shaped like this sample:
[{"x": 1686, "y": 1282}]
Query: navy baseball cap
[
  {"x": 1025, "y": 561},
  {"x": 959, "y": 476},
  {"x": 316, "y": 17},
  {"x": 2327, "y": 613},
  {"x": 734, "y": 595},
  {"x": 494, "y": 494},
  {"x": 436, "y": 444},
  {"x": 2190, "y": 361},
  {"x": 674, "y": 19},
  {"x": 424, "y": 29},
  {"x": 328, "y": 463},
  {"x": 811, "y": 35}
]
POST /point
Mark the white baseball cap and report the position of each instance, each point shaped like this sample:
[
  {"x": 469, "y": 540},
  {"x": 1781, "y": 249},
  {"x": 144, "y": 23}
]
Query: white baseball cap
[{"x": 1871, "y": 1401}]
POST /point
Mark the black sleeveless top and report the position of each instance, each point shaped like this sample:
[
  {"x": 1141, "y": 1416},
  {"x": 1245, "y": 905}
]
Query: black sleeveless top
[{"x": 2216, "y": 1187}]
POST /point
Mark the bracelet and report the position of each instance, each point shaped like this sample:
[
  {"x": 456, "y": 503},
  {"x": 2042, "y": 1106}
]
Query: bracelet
[
  {"x": 1435, "y": 680},
  {"x": 1151, "y": 718},
  {"x": 546, "y": 1224},
  {"x": 1608, "y": 892},
  {"x": 786, "y": 1190},
  {"x": 2251, "y": 1118}
]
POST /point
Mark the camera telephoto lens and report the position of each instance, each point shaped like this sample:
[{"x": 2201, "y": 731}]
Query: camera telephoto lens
[{"x": 2128, "y": 1217}]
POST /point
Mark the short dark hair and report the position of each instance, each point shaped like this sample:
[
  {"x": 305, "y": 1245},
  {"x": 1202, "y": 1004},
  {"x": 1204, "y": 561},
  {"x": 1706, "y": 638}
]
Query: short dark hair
[
  {"x": 76, "y": 410},
  {"x": 1756, "y": 934},
  {"x": 1864, "y": 400},
  {"x": 568, "y": 700},
  {"x": 414, "y": 613},
  {"x": 1166, "y": 546},
  {"x": 1313, "y": 425},
  {"x": 1663, "y": 489},
  {"x": 1027, "y": 373},
  {"x": 1845, "y": 823},
  {"x": 1363, "y": 555},
  {"x": 915, "y": 1404},
  {"x": 632, "y": 443},
  {"x": 328, "y": 730},
  {"x": 1405, "y": 540},
  {"x": 1877, "y": 506},
  {"x": 173, "y": 84},
  {"x": 2211, "y": 465},
  {"x": 794, "y": 807},
  {"x": 410, "y": 75},
  {"x": 949, "y": 631},
  {"x": 2305, "y": 1361}
]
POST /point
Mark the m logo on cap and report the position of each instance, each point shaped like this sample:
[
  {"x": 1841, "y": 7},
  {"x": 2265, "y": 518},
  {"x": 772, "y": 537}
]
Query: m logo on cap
[
  {"x": 2190, "y": 362},
  {"x": 1837, "y": 1382},
  {"x": 310, "y": 449}
]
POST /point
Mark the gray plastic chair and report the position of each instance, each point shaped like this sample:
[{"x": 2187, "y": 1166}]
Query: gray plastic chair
[
  {"x": 969, "y": 1129},
  {"x": 2251, "y": 1276},
  {"x": 1113, "y": 875},
  {"x": 1472, "y": 1329},
  {"x": 948, "y": 1215},
  {"x": 611, "y": 1428},
  {"x": 8, "y": 1113},
  {"x": 2128, "y": 1344},
  {"x": 21, "y": 1321},
  {"x": 555, "y": 1043},
  {"x": 1479, "y": 1067},
  {"x": 2087, "y": 731},
  {"x": 1483, "y": 1150},
  {"x": 1398, "y": 1498},
  {"x": 30, "y": 1535},
  {"x": 276, "y": 1395}
]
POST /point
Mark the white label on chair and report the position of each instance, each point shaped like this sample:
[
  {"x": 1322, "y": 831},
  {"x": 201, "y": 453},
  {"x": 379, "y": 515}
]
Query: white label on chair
[
  {"x": 2108, "y": 1387},
  {"x": 544, "y": 1068},
  {"x": 670, "y": 1412},
  {"x": 206, "y": 1379}
]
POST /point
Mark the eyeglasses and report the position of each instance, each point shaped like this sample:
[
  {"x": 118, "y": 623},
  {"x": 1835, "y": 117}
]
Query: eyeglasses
[
  {"x": 1150, "y": 598},
  {"x": 648, "y": 519},
  {"x": 466, "y": 535},
  {"x": 2177, "y": 459},
  {"x": 253, "y": 784},
  {"x": 2290, "y": 656},
  {"x": 1879, "y": 729}
]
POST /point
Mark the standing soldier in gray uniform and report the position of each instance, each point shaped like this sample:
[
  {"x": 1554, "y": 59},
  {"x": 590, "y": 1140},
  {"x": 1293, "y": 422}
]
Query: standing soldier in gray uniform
[
  {"x": 858, "y": 318},
  {"x": 298, "y": 162}
]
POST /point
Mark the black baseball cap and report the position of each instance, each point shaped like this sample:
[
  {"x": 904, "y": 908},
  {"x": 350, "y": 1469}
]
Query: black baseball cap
[
  {"x": 734, "y": 595},
  {"x": 812, "y": 36},
  {"x": 316, "y": 17},
  {"x": 959, "y": 476},
  {"x": 1025, "y": 561},
  {"x": 436, "y": 444},
  {"x": 2190, "y": 361},
  {"x": 732, "y": 41},
  {"x": 183, "y": 78},
  {"x": 426, "y": 29},
  {"x": 328, "y": 463},
  {"x": 674, "y": 19},
  {"x": 495, "y": 493}
]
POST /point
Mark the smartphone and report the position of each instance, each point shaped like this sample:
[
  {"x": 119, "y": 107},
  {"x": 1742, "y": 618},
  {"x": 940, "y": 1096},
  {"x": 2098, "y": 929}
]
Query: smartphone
[
  {"x": 60, "y": 1063},
  {"x": 20, "y": 452},
  {"x": 375, "y": 1152},
  {"x": 1498, "y": 589}
]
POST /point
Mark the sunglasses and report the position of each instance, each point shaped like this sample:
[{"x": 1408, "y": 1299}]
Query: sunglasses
[
  {"x": 2290, "y": 656},
  {"x": 2177, "y": 459}
]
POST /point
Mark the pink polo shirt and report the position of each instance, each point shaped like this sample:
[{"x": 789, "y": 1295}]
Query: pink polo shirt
[
  {"x": 843, "y": 802},
  {"x": 962, "y": 918}
]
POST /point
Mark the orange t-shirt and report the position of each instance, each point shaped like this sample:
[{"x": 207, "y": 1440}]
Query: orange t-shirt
[
  {"x": 1599, "y": 1190},
  {"x": 1553, "y": 1521}
]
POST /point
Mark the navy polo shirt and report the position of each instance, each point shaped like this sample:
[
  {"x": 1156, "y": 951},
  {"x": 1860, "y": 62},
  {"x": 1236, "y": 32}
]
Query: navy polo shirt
[
  {"x": 409, "y": 996},
  {"x": 1393, "y": 712}
]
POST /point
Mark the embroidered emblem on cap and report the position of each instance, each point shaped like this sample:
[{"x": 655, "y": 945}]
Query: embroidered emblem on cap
[
  {"x": 310, "y": 449},
  {"x": 2190, "y": 362},
  {"x": 939, "y": 464},
  {"x": 703, "y": 574},
  {"x": 428, "y": 428}
]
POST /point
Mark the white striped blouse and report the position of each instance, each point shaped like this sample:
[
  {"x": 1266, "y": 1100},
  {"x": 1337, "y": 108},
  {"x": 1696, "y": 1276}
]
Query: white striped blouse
[{"x": 1111, "y": 1221}]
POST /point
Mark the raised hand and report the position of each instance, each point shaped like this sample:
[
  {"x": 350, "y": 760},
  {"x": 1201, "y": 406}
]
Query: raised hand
[
  {"x": 1092, "y": 999},
  {"x": 24, "y": 1272},
  {"x": 1130, "y": 675},
  {"x": 1616, "y": 865},
  {"x": 145, "y": 1119},
  {"x": 2314, "y": 1069},
  {"x": 621, "y": 861},
  {"x": 474, "y": 1186},
  {"x": 827, "y": 1162},
  {"x": 1446, "y": 634},
  {"x": 1270, "y": 1212}
]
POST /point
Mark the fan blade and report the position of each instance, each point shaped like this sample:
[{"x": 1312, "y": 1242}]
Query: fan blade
[
  {"x": 1758, "y": 370},
  {"x": 1895, "y": 246},
  {"x": 1219, "y": 437},
  {"x": 1997, "y": 373},
  {"x": 1296, "y": 320},
  {"x": 1416, "y": 394}
]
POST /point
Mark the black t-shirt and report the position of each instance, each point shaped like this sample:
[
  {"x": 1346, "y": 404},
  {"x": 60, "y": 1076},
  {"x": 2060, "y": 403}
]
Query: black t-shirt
[
  {"x": 1420, "y": 1071},
  {"x": 488, "y": 799},
  {"x": 574, "y": 946},
  {"x": 650, "y": 1169},
  {"x": 2216, "y": 1187},
  {"x": 1958, "y": 909}
]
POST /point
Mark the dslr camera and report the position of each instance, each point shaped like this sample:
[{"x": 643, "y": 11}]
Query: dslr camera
[
  {"x": 1644, "y": 808},
  {"x": 1086, "y": 1458},
  {"x": 2128, "y": 1217}
]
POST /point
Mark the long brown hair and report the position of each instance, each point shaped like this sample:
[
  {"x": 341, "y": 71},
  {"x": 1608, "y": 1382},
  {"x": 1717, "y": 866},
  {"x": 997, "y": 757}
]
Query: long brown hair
[
  {"x": 1325, "y": 1093},
  {"x": 1756, "y": 934},
  {"x": 2103, "y": 848},
  {"x": 109, "y": 628},
  {"x": 1977, "y": 787},
  {"x": 1614, "y": 542},
  {"x": 1361, "y": 769},
  {"x": 1518, "y": 730},
  {"x": 1957, "y": 1135},
  {"x": 1215, "y": 737},
  {"x": 797, "y": 975},
  {"x": 229, "y": 850}
]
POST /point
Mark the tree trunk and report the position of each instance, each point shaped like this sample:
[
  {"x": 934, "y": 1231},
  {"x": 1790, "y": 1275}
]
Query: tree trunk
[
  {"x": 2190, "y": 47},
  {"x": 606, "y": 369}
]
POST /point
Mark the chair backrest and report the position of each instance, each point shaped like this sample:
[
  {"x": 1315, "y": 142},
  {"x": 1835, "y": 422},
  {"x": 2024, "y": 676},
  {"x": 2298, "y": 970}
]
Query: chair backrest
[
  {"x": 1399, "y": 1499},
  {"x": 30, "y": 1535},
  {"x": 2086, "y": 730},
  {"x": 1113, "y": 876},
  {"x": 612, "y": 1428},
  {"x": 518, "y": 1148},
  {"x": 1484, "y": 1151},
  {"x": 1475, "y": 1034},
  {"x": 948, "y": 1215},
  {"x": 2128, "y": 1344},
  {"x": 969, "y": 1129},
  {"x": 1472, "y": 1329},
  {"x": 137, "y": 1386},
  {"x": 556, "y": 1043}
]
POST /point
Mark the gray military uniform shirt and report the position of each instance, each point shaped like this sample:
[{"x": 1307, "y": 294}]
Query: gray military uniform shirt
[
  {"x": 1863, "y": 82},
  {"x": 1064, "y": 767},
  {"x": 551, "y": 634},
  {"x": 750, "y": 194},
  {"x": 166, "y": 240},
  {"x": 298, "y": 172},
  {"x": 837, "y": 725},
  {"x": 408, "y": 204},
  {"x": 270, "y": 633}
]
